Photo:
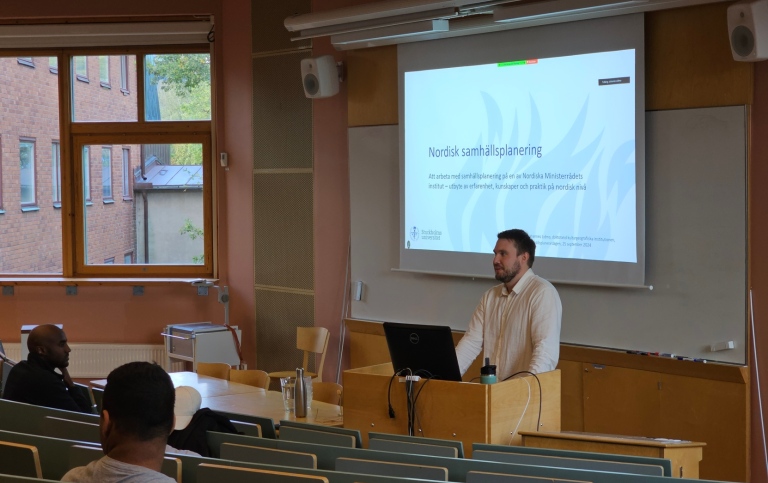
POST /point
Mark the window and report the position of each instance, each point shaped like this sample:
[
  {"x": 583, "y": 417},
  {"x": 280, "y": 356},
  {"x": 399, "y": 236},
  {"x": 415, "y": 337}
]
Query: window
[
  {"x": 106, "y": 174},
  {"x": 81, "y": 68},
  {"x": 109, "y": 261},
  {"x": 26, "y": 61},
  {"x": 53, "y": 65},
  {"x": 86, "y": 174},
  {"x": 124, "y": 87},
  {"x": 127, "y": 174},
  {"x": 56, "y": 173},
  {"x": 164, "y": 173},
  {"x": 27, "y": 173},
  {"x": 104, "y": 70}
]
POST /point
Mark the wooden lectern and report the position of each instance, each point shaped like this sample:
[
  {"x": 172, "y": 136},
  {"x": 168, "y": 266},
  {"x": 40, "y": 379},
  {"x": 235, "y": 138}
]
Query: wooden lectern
[{"x": 462, "y": 411}]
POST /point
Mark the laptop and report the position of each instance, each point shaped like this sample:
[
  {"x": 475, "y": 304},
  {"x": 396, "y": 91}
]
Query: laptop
[{"x": 427, "y": 350}]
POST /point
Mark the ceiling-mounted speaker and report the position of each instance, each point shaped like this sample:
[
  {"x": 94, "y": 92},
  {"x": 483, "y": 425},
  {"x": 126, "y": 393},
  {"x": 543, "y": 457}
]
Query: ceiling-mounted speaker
[
  {"x": 748, "y": 30},
  {"x": 320, "y": 76}
]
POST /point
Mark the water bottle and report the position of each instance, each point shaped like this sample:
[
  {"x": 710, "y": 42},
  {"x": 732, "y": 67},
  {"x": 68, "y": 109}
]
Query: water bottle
[
  {"x": 300, "y": 395},
  {"x": 488, "y": 372}
]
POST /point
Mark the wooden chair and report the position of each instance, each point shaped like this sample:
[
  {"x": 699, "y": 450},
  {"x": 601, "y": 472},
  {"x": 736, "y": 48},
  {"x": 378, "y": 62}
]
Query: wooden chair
[
  {"x": 219, "y": 370},
  {"x": 388, "y": 468},
  {"x": 20, "y": 460},
  {"x": 327, "y": 392},
  {"x": 311, "y": 340},
  {"x": 252, "y": 377},
  {"x": 268, "y": 456}
]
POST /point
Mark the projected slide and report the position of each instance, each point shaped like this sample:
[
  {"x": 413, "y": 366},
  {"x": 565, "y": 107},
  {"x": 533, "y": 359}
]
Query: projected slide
[{"x": 546, "y": 145}]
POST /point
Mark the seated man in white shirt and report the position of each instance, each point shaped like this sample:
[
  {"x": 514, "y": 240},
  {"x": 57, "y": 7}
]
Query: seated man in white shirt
[
  {"x": 136, "y": 419},
  {"x": 517, "y": 323}
]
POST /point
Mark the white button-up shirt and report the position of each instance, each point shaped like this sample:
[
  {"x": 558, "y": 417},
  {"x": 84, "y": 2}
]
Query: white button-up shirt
[{"x": 518, "y": 331}]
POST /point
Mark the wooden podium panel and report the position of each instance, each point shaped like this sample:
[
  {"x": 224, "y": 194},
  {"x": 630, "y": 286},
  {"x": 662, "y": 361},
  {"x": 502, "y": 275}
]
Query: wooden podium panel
[{"x": 467, "y": 412}]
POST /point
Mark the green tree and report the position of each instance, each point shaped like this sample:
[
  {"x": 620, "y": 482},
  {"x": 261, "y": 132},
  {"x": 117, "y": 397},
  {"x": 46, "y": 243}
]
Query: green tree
[
  {"x": 184, "y": 82},
  {"x": 194, "y": 233}
]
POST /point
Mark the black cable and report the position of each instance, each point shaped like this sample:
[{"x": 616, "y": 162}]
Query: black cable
[
  {"x": 211, "y": 34},
  {"x": 538, "y": 422},
  {"x": 389, "y": 392},
  {"x": 426, "y": 380}
]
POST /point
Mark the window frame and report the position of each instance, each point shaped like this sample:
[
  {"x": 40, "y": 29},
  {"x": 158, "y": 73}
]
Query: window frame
[
  {"x": 27, "y": 205},
  {"x": 76, "y": 176}
]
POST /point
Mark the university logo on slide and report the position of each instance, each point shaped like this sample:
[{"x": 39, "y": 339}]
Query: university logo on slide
[{"x": 414, "y": 233}]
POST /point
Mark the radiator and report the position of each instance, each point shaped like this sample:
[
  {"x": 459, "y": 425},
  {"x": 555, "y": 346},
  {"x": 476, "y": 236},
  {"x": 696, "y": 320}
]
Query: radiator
[{"x": 95, "y": 361}]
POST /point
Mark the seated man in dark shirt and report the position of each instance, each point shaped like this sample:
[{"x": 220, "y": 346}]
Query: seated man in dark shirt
[{"x": 34, "y": 381}]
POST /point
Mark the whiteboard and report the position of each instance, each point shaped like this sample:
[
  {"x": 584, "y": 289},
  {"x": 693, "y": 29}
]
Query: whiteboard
[{"x": 696, "y": 239}]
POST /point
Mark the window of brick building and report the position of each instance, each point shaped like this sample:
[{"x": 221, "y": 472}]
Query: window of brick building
[
  {"x": 127, "y": 175},
  {"x": 28, "y": 61},
  {"x": 86, "y": 163},
  {"x": 2, "y": 211},
  {"x": 104, "y": 71},
  {"x": 106, "y": 174},
  {"x": 124, "y": 73},
  {"x": 27, "y": 172},
  {"x": 56, "y": 173},
  {"x": 53, "y": 65},
  {"x": 81, "y": 68}
]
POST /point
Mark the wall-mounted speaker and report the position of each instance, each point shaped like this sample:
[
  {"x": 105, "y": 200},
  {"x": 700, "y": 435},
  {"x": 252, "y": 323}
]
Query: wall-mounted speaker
[
  {"x": 748, "y": 30},
  {"x": 320, "y": 76}
]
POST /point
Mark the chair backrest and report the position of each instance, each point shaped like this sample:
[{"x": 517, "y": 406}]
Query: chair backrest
[
  {"x": 20, "y": 460},
  {"x": 419, "y": 440},
  {"x": 252, "y": 377},
  {"x": 267, "y": 425},
  {"x": 269, "y": 456},
  {"x": 412, "y": 448},
  {"x": 248, "y": 429},
  {"x": 355, "y": 433},
  {"x": 289, "y": 433},
  {"x": 70, "y": 429},
  {"x": 313, "y": 340},
  {"x": 484, "y": 477},
  {"x": 219, "y": 370},
  {"x": 401, "y": 470},
  {"x": 208, "y": 473},
  {"x": 575, "y": 463},
  {"x": 327, "y": 392},
  {"x": 86, "y": 391}
]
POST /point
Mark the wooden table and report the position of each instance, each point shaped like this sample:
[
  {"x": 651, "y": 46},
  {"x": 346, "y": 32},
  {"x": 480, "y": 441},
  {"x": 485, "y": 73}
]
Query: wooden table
[
  {"x": 233, "y": 397},
  {"x": 685, "y": 455}
]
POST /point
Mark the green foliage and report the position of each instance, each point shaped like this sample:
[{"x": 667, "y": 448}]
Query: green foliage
[
  {"x": 181, "y": 73},
  {"x": 193, "y": 232},
  {"x": 186, "y": 154}
]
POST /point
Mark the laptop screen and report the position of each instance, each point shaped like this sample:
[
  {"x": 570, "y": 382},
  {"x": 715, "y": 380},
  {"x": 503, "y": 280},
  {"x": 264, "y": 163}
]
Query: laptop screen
[{"x": 427, "y": 350}]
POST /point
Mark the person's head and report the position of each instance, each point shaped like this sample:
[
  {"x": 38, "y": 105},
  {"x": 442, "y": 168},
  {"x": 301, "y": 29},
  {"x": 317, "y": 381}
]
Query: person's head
[
  {"x": 513, "y": 255},
  {"x": 50, "y": 343},
  {"x": 188, "y": 401},
  {"x": 137, "y": 404}
]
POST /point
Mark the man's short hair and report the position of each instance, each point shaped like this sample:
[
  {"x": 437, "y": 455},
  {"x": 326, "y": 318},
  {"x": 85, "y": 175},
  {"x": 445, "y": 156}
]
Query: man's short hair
[
  {"x": 139, "y": 397},
  {"x": 523, "y": 243}
]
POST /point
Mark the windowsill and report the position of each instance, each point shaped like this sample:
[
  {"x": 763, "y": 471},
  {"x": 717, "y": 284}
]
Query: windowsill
[
  {"x": 106, "y": 85},
  {"x": 125, "y": 92},
  {"x": 57, "y": 205},
  {"x": 2, "y": 212},
  {"x": 27, "y": 209},
  {"x": 88, "y": 203},
  {"x": 127, "y": 199},
  {"x": 108, "y": 202},
  {"x": 53, "y": 71},
  {"x": 83, "y": 79},
  {"x": 93, "y": 281}
]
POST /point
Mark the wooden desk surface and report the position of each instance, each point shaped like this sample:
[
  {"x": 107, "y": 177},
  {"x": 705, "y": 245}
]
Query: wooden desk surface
[{"x": 223, "y": 395}]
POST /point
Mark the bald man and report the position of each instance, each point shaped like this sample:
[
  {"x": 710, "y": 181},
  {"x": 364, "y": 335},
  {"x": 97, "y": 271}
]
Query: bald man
[{"x": 35, "y": 381}]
